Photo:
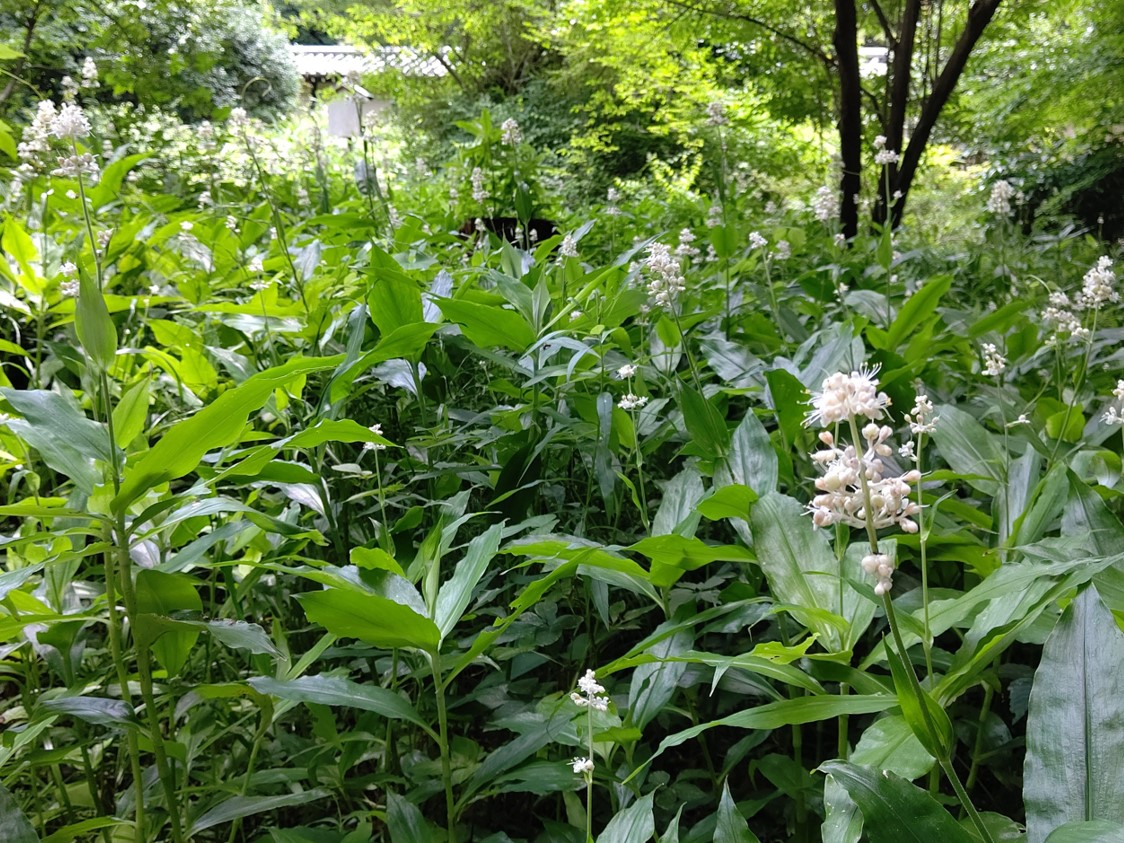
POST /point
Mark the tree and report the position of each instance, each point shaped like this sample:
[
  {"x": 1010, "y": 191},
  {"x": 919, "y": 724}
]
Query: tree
[{"x": 928, "y": 44}]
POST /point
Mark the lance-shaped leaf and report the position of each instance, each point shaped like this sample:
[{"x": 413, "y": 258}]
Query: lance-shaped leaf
[
  {"x": 372, "y": 618},
  {"x": 1074, "y": 766}
]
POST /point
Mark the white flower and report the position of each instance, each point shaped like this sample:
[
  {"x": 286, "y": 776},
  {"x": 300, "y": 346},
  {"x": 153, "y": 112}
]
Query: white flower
[
  {"x": 1098, "y": 285},
  {"x": 261, "y": 284},
  {"x": 632, "y": 402},
  {"x": 89, "y": 73},
  {"x": 73, "y": 166},
  {"x": 68, "y": 269},
  {"x": 592, "y": 694},
  {"x": 582, "y": 766},
  {"x": 626, "y": 371},
  {"x": 886, "y": 156},
  {"x": 69, "y": 288},
  {"x": 840, "y": 240},
  {"x": 845, "y": 396},
  {"x": 920, "y": 418},
  {"x": 238, "y": 117},
  {"x": 841, "y": 499},
  {"x": 569, "y": 247},
  {"x": 575, "y": 315},
  {"x": 479, "y": 192},
  {"x": 231, "y": 223},
  {"x": 999, "y": 202},
  {"x": 71, "y": 123},
  {"x": 716, "y": 114},
  {"x": 256, "y": 264},
  {"x": 186, "y": 226},
  {"x": 665, "y": 280},
  {"x": 1118, "y": 393},
  {"x": 881, "y": 566},
  {"x": 685, "y": 249},
  {"x": 512, "y": 134},
  {"x": 994, "y": 362},
  {"x": 374, "y": 446},
  {"x": 825, "y": 205},
  {"x": 783, "y": 250},
  {"x": 756, "y": 241},
  {"x": 714, "y": 216}
]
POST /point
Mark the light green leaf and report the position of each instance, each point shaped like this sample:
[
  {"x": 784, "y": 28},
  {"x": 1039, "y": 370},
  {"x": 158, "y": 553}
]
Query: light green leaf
[
  {"x": 752, "y": 461},
  {"x": 67, "y": 441},
  {"x": 454, "y": 596},
  {"x": 371, "y": 618},
  {"x": 489, "y": 325},
  {"x": 406, "y": 823},
  {"x": 95, "y": 329},
  {"x": 969, "y": 449},
  {"x": 218, "y": 424},
  {"x": 1088, "y": 831}
]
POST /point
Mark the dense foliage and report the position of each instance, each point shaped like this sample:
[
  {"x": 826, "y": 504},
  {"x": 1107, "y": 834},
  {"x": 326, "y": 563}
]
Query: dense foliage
[{"x": 329, "y": 513}]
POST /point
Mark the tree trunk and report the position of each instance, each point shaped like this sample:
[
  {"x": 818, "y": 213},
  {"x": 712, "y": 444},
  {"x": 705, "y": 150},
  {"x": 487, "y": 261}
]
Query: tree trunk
[
  {"x": 900, "y": 79},
  {"x": 979, "y": 16},
  {"x": 850, "y": 114}
]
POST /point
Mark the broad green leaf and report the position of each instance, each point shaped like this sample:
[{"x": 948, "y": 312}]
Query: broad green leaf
[
  {"x": 798, "y": 562},
  {"x": 680, "y": 495},
  {"x": 394, "y": 301},
  {"x": 95, "y": 329},
  {"x": 406, "y": 823},
  {"x": 635, "y": 824},
  {"x": 790, "y": 403},
  {"x": 160, "y": 595},
  {"x": 731, "y": 501},
  {"x": 917, "y": 309},
  {"x": 1074, "y": 767},
  {"x": 109, "y": 182},
  {"x": 336, "y": 691},
  {"x": 67, "y": 441},
  {"x": 752, "y": 461},
  {"x": 1088, "y": 831},
  {"x": 454, "y": 596},
  {"x": 14, "y": 826},
  {"x": 969, "y": 449},
  {"x": 790, "y": 712},
  {"x": 672, "y": 556},
  {"x": 237, "y": 807},
  {"x": 895, "y": 811},
  {"x": 731, "y": 826},
  {"x": 653, "y": 685},
  {"x": 332, "y": 430},
  {"x": 220, "y": 423},
  {"x": 489, "y": 325},
  {"x": 371, "y": 618},
  {"x": 241, "y": 635},
  {"x": 929, "y": 722},
  {"x": 130, "y": 415},
  {"x": 375, "y": 559},
  {"x": 97, "y": 710},
  {"x": 704, "y": 423}
]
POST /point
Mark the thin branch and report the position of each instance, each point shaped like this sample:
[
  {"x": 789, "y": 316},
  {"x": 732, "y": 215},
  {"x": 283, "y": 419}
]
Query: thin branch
[{"x": 887, "y": 30}]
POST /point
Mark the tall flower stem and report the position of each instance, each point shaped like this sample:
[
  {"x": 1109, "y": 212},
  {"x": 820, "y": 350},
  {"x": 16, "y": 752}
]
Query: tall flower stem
[
  {"x": 945, "y": 757},
  {"x": 443, "y": 733}
]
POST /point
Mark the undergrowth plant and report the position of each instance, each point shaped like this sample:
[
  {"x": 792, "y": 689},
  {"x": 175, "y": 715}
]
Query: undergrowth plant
[{"x": 316, "y": 513}]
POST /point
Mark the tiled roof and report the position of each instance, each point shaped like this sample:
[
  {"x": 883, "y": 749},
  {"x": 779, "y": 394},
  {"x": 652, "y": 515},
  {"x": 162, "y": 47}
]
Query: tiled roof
[{"x": 338, "y": 61}]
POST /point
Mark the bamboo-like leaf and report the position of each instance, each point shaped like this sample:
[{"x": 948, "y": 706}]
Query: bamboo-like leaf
[{"x": 635, "y": 824}]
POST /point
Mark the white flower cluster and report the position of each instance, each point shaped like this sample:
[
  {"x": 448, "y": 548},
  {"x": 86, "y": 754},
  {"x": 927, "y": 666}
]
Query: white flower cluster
[
  {"x": 685, "y": 249},
  {"x": 883, "y": 155},
  {"x": 921, "y": 418},
  {"x": 716, "y": 114},
  {"x": 666, "y": 282},
  {"x": 756, "y": 241},
  {"x": 994, "y": 362},
  {"x": 999, "y": 202},
  {"x": 592, "y": 694},
  {"x": 1115, "y": 414},
  {"x": 479, "y": 192},
  {"x": 612, "y": 197},
  {"x": 1059, "y": 314},
  {"x": 714, "y": 216},
  {"x": 782, "y": 251},
  {"x": 848, "y": 396},
  {"x": 569, "y": 247},
  {"x": 880, "y": 565},
  {"x": 89, "y": 73},
  {"x": 1098, "y": 286},
  {"x": 825, "y": 205},
  {"x": 582, "y": 766},
  {"x": 841, "y": 499},
  {"x": 626, "y": 371},
  {"x": 512, "y": 134},
  {"x": 632, "y": 402},
  {"x": 37, "y": 136}
]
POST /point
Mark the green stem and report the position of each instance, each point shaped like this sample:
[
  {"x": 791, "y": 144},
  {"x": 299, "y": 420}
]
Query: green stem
[{"x": 443, "y": 732}]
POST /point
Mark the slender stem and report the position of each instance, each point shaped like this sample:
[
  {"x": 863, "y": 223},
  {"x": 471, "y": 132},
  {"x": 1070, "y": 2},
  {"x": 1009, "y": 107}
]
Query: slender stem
[
  {"x": 927, "y": 638},
  {"x": 985, "y": 709},
  {"x": 589, "y": 776},
  {"x": 443, "y": 731}
]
